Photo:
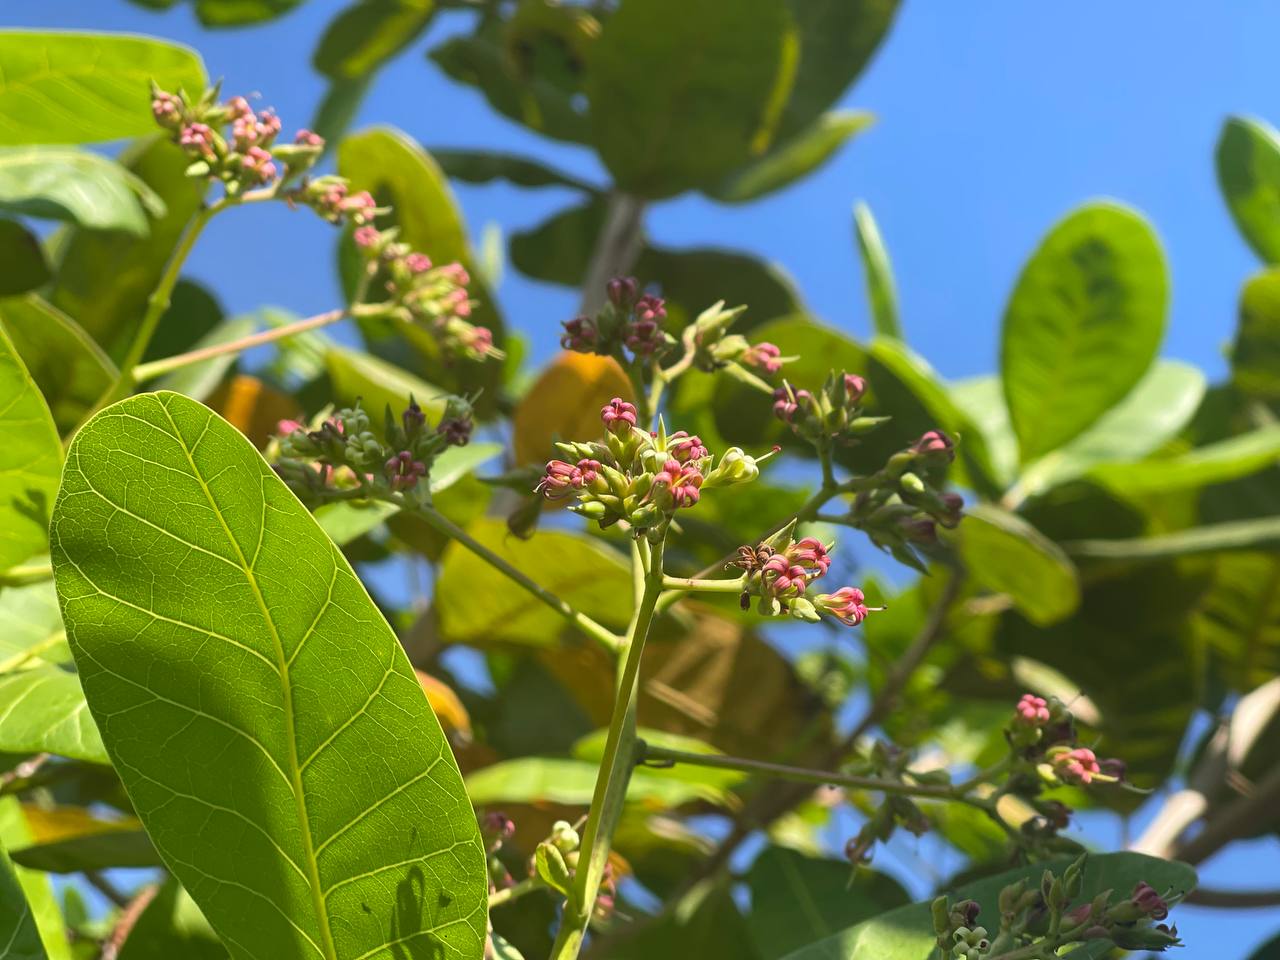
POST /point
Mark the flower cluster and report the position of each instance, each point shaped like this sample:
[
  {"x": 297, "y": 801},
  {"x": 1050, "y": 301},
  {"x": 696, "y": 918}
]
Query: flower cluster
[
  {"x": 713, "y": 347},
  {"x": 901, "y": 506},
  {"x": 629, "y": 320},
  {"x": 435, "y": 296},
  {"x": 1042, "y": 735},
  {"x": 639, "y": 477},
  {"x": 340, "y": 456},
  {"x": 831, "y": 415},
  {"x": 1042, "y": 915},
  {"x": 231, "y": 142},
  {"x": 496, "y": 829},
  {"x": 779, "y": 572}
]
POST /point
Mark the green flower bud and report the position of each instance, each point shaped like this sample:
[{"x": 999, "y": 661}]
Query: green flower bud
[
  {"x": 564, "y": 836},
  {"x": 734, "y": 467},
  {"x": 911, "y": 483}
]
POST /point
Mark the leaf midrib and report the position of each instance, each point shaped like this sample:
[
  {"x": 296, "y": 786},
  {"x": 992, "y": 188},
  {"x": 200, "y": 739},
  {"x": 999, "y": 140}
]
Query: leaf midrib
[{"x": 295, "y": 770}]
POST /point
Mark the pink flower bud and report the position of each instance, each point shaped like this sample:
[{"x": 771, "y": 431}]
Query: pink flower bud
[
  {"x": 854, "y": 388},
  {"x": 1032, "y": 711},
  {"x": 360, "y": 208},
  {"x": 1076, "y": 766},
  {"x": 455, "y": 273},
  {"x": 417, "y": 262},
  {"x": 783, "y": 579},
  {"x": 651, "y": 309},
  {"x": 580, "y": 334},
  {"x": 848, "y": 605},
  {"x": 1147, "y": 900},
  {"x": 936, "y": 445},
  {"x": 286, "y": 427},
  {"x": 810, "y": 552},
  {"x": 403, "y": 471},
  {"x": 305, "y": 138},
  {"x": 787, "y": 403},
  {"x": 563, "y": 479},
  {"x": 764, "y": 356},
  {"x": 239, "y": 107},
  {"x": 683, "y": 481},
  {"x": 478, "y": 341},
  {"x": 618, "y": 416},
  {"x": 643, "y": 337},
  {"x": 685, "y": 447},
  {"x": 166, "y": 108},
  {"x": 367, "y": 237},
  {"x": 622, "y": 291},
  {"x": 258, "y": 164},
  {"x": 198, "y": 138}
]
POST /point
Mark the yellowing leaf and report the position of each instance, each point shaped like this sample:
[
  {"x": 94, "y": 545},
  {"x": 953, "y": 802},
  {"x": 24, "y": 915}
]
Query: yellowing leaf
[
  {"x": 565, "y": 402},
  {"x": 449, "y": 710}
]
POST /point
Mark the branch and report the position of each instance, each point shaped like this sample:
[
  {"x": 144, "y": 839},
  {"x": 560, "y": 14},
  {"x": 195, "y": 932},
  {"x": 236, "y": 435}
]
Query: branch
[
  {"x": 1233, "y": 899},
  {"x": 1240, "y": 818},
  {"x": 616, "y": 248}
]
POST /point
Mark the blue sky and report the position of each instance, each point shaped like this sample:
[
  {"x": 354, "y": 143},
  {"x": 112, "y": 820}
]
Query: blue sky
[{"x": 995, "y": 119}]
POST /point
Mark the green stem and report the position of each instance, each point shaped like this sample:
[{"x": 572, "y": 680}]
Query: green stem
[
  {"x": 695, "y": 585},
  {"x": 515, "y": 892},
  {"x": 149, "y": 371},
  {"x": 615, "y": 773},
  {"x": 606, "y": 637},
  {"x": 26, "y": 573},
  {"x": 779, "y": 771}
]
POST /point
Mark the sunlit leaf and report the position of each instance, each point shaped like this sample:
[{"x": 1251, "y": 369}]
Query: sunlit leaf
[
  {"x": 1082, "y": 325},
  {"x": 39, "y": 891},
  {"x": 17, "y": 921},
  {"x": 67, "y": 365},
  {"x": 42, "y": 710},
  {"x": 1226, "y": 460},
  {"x": 366, "y": 35},
  {"x": 1238, "y": 619},
  {"x": 661, "y": 132},
  {"x": 1007, "y": 555},
  {"x": 239, "y": 13},
  {"x": 31, "y": 627},
  {"x": 564, "y": 403},
  {"x": 80, "y": 187},
  {"x": 30, "y": 460},
  {"x": 793, "y": 159},
  {"x": 1248, "y": 159},
  {"x": 1255, "y": 354},
  {"x": 1258, "y": 534},
  {"x": 237, "y": 647},
  {"x": 882, "y": 292},
  {"x": 73, "y": 840},
  {"x": 63, "y": 87}
]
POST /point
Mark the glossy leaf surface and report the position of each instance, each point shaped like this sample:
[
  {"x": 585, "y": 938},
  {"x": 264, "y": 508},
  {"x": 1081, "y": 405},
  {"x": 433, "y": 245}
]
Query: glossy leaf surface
[{"x": 30, "y": 460}]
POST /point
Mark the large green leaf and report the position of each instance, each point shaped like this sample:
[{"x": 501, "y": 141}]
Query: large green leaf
[
  {"x": 797, "y": 899},
  {"x": 1005, "y": 554},
  {"x": 1218, "y": 462},
  {"x": 67, "y": 365},
  {"x": 14, "y": 832},
  {"x": 882, "y": 292},
  {"x": 172, "y": 926},
  {"x": 22, "y": 262},
  {"x": 663, "y": 131},
  {"x": 86, "y": 87},
  {"x": 837, "y": 40},
  {"x": 17, "y": 920},
  {"x": 982, "y": 398},
  {"x": 907, "y": 933},
  {"x": 30, "y": 460},
  {"x": 1255, "y": 354},
  {"x": 1153, "y": 413},
  {"x": 240, "y": 675},
  {"x": 377, "y": 384},
  {"x": 484, "y": 166},
  {"x": 575, "y": 567},
  {"x": 1082, "y": 325},
  {"x": 1260, "y": 534},
  {"x": 42, "y": 710},
  {"x": 793, "y": 159},
  {"x": 104, "y": 280},
  {"x": 1238, "y": 619},
  {"x": 1248, "y": 158},
  {"x": 366, "y": 35},
  {"x": 74, "y": 185}
]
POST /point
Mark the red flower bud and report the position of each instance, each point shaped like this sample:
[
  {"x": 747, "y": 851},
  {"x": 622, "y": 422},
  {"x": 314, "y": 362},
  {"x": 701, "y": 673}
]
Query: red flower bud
[
  {"x": 622, "y": 291},
  {"x": 936, "y": 445},
  {"x": 764, "y": 356},
  {"x": 619, "y": 416}
]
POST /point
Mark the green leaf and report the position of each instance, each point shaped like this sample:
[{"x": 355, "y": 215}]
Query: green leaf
[
  {"x": 32, "y": 627},
  {"x": 1261, "y": 534},
  {"x": 706, "y": 916},
  {"x": 105, "y": 279},
  {"x": 77, "y": 186},
  {"x": 513, "y": 85},
  {"x": 882, "y": 291},
  {"x": 1248, "y": 159},
  {"x": 14, "y": 832},
  {"x": 239, "y": 13},
  {"x": 172, "y": 926},
  {"x": 837, "y": 40},
  {"x": 560, "y": 248},
  {"x": 1237, "y": 620},
  {"x": 377, "y": 384},
  {"x": 338, "y": 109},
  {"x": 1153, "y": 413},
  {"x": 1083, "y": 324},
  {"x": 796, "y": 899},
  {"x": 62, "y": 87},
  {"x": 237, "y": 647},
  {"x": 501, "y": 949},
  {"x": 199, "y": 380},
  {"x": 1007, "y": 555},
  {"x": 30, "y": 460},
  {"x": 664, "y": 131},
  {"x": 478, "y": 605},
  {"x": 982, "y": 398},
  {"x": 42, "y": 710},
  {"x": 67, "y": 365},
  {"x": 1219, "y": 462},
  {"x": 792, "y": 159},
  {"x": 1255, "y": 354},
  {"x": 907, "y": 933},
  {"x": 694, "y": 279},
  {"x": 17, "y": 920},
  {"x": 485, "y": 166},
  {"x": 22, "y": 263},
  {"x": 367, "y": 34},
  {"x": 572, "y": 782},
  {"x": 73, "y": 840}
]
